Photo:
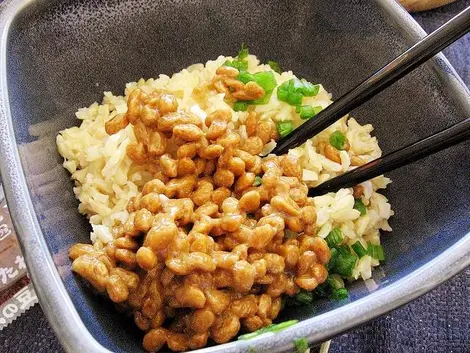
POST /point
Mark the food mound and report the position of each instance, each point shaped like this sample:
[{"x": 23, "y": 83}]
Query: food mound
[{"x": 196, "y": 234}]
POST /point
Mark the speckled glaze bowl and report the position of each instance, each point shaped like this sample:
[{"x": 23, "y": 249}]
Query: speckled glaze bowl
[{"x": 56, "y": 57}]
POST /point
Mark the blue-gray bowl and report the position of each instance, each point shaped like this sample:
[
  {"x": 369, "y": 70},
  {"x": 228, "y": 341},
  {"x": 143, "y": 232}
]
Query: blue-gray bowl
[{"x": 57, "y": 56}]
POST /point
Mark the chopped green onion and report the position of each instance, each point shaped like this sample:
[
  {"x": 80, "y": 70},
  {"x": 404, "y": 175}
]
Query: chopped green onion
[
  {"x": 334, "y": 255},
  {"x": 289, "y": 92},
  {"x": 258, "y": 181},
  {"x": 359, "y": 205},
  {"x": 340, "y": 294},
  {"x": 376, "y": 251},
  {"x": 283, "y": 92},
  {"x": 335, "y": 281},
  {"x": 266, "y": 80},
  {"x": 285, "y": 127},
  {"x": 304, "y": 297},
  {"x": 301, "y": 345},
  {"x": 275, "y": 66},
  {"x": 240, "y": 106},
  {"x": 251, "y": 350},
  {"x": 337, "y": 140},
  {"x": 359, "y": 249},
  {"x": 332, "y": 288},
  {"x": 243, "y": 53},
  {"x": 309, "y": 89},
  {"x": 344, "y": 263},
  {"x": 245, "y": 77},
  {"x": 294, "y": 98},
  {"x": 334, "y": 237},
  {"x": 307, "y": 111},
  {"x": 269, "y": 328},
  {"x": 323, "y": 290},
  {"x": 237, "y": 64}
]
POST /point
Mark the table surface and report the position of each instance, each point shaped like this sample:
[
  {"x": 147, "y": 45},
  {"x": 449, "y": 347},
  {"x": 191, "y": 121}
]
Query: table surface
[{"x": 436, "y": 322}]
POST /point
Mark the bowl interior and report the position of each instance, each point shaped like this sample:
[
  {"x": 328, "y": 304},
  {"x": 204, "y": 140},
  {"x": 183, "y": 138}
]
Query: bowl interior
[{"x": 63, "y": 55}]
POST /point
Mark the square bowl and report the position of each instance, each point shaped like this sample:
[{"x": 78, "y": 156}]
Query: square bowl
[{"x": 58, "y": 56}]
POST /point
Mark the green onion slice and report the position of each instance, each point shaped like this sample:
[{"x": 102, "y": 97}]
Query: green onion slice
[
  {"x": 344, "y": 262},
  {"x": 240, "y": 106},
  {"x": 340, "y": 294},
  {"x": 334, "y": 255},
  {"x": 237, "y": 64},
  {"x": 337, "y": 140},
  {"x": 359, "y": 249},
  {"x": 301, "y": 345},
  {"x": 245, "y": 77},
  {"x": 258, "y": 181},
  {"x": 266, "y": 80},
  {"x": 304, "y": 297},
  {"x": 269, "y": 328},
  {"x": 275, "y": 66},
  {"x": 243, "y": 53},
  {"x": 307, "y": 111},
  {"x": 335, "y": 281},
  {"x": 334, "y": 237},
  {"x": 359, "y": 205},
  {"x": 309, "y": 89},
  {"x": 285, "y": 127},
  {"x": 376, "y": 251}
]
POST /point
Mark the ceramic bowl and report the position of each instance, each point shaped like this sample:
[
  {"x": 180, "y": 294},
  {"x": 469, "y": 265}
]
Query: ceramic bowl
[{"x": 58, "y": 56}]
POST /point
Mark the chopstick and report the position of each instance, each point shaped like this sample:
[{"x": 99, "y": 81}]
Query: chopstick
[
  {"x": 403, "y": 156},
  {"x": 390, "y": 73}
]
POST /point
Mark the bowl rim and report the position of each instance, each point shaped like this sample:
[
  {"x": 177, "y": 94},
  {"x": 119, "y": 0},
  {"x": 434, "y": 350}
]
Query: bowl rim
[{"x": 59, "y": 308}]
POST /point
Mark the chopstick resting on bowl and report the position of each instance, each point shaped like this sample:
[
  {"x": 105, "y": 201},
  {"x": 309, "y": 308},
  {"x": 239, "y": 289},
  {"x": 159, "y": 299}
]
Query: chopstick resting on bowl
[
  {"x": 390, "y": 73},
  {"x": 399, "y": 158}
]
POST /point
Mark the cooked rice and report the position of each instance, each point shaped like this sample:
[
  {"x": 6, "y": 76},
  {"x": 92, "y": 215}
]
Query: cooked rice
[{"x": 105, "y": 178}]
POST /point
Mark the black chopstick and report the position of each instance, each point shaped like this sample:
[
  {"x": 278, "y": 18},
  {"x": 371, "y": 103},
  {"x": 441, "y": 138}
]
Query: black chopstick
[
  {"x": 396, "y": 69},
  {"x": 399, "y": 158}
]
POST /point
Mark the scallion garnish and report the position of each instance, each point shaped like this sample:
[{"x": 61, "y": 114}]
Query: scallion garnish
[
  {"x": 240, "y": 106},
  {"x": 237, "y": 64},
  {"x": 340, "y": 294},
  {"x": 275, "y": 66},
  {"x": 376, "y": 251},
  {"x": 294, "y": 90},
  {"x": 337, "y": 140},
  {"x": 304, "y": 297},
  {"x": 269, "y": 328},
  {"x": 309, "y": 89},
  {"x": 334, "y": 255},
  {"x": 240, "y": 62},
  {"x": 334, "y": 237},
  {"x": 289, "y": 92},
  {"x": 359, "y": 249},
  {"x": 307, "y": 111},
  {"x": 258, "y": 181},
  {"x": 245, "y": 77},
  {"x": 335, "y": 281},
  {"x": 266, "y": 80},
  {"x": 344, "y": 262},
  {"x": 243, "y": 53},
  {"x": 301, "y": 345},
  {"x": 285, "y": 127},
  {"x": 359, "y": 205}
]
